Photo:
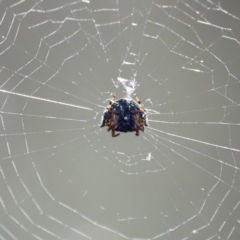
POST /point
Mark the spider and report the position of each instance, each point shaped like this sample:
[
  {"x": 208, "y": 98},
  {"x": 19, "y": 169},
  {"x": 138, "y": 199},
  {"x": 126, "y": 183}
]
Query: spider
[{"x": 124, "y": 115}]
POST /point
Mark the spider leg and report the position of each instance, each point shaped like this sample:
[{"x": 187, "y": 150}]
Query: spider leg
[
  {"x": 141, "y": 128},
  {"x": 113, "y": 96},
  {"x": 112, "y": 128},
  {"x": 114, "y": 112},
  {"x": 139, "y": 104},
  {"x": 106, "y": 119},
  {"x": 111, "y": 101},
  {"x": 113, "y": 125},
  {"x": 109, "y": 109},
  {"x": 144, "y": 118},
  {"x": 136, "y": 111},
  {"x": 113, "y": 133},
  {"x": 144, "y": 114},
  {"x": 135, "y": 95},
  {"x": 103, "y": 123},
  {"x": 103, "y": 120},
  {"x": 137, "y": 132},
  {"x": 140, "y": 124},
  {"x": 137, "y": 127}
]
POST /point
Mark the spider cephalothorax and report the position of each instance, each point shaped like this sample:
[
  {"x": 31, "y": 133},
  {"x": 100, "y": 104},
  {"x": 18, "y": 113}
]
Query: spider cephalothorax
[{"x": 124, "y": 115}]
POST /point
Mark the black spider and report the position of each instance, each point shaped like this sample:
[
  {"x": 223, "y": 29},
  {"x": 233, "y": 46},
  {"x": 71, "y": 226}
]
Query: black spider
[{"x": 124, "y": 115}]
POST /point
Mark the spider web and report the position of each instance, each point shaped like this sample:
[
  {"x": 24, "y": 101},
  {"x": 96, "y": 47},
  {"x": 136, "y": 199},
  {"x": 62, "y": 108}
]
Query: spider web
[{"x": 62, "y": 177}]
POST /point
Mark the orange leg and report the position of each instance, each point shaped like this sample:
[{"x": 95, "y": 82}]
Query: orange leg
[
  {"x": 110, "y": 103},
  {"x": 139, "y": 104},
  {"x": 109, "y": 109}
]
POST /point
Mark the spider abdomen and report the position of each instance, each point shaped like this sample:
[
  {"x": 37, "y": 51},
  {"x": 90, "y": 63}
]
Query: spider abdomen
[{"x": 125, "y": 118}]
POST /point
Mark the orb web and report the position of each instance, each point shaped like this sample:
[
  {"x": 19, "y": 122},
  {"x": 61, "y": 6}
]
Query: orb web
[{"x": 64, "y": 177}]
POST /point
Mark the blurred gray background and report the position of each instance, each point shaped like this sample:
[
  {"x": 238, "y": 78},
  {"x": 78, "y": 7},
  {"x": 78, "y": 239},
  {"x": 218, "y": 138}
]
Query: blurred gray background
[{"x": 62, "y": 177}]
